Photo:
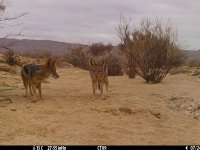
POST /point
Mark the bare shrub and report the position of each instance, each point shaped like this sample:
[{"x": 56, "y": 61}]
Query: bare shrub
[
  {"x": 6, "y": 21},
  {"x": 98, "y": 49},
  {"x": 125, "y": 66},
  {"x": 178, "y": 70},
  {"x": 44, "y": 54},
  {"x": 196, "y": 73},
  {"x": 114, "y": 65},
  {"x": 131, "y": 73},
  {"x": 193, "y": 63},
  {"x": 130, "y": 69},
  {"x": 11, "y": 58},
  {"x": 60, "y": 62},
  {"x": 151, "y": 49},
  {"x": 7, "y": 68},
  {"x": 38, "y": 54},
  {"x": 78, "y": 58},
  {"x": 28, "y": 54}
]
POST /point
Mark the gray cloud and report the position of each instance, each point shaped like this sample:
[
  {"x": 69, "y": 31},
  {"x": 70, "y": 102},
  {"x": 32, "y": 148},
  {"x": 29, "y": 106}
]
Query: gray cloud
[{"x": 95, "y": 21}]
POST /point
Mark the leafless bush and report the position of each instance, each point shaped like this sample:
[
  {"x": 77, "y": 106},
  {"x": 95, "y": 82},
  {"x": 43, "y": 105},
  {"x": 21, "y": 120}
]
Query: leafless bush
[
  {"x": 125, "y": 66},
  {"x": 114, "y": 65},
  {"x": 196, "y": 73},
  {"x": 38, "y": 54},
  {"x": 193, "y": 63},
  {"x": 7, "y": 68},
  {"x": 6, "y": 22},
  {"x": 178, "y": 70},
  {"x": 131, "y": 72},
  {"x": 44, "y": 54},
  {"x": 78, "y": 58},
  {"x": 130, "y": 69},
  {"x": 98, "y": 49},
  {"x": 11, "y": 58},
  {"x": 151, "y": 49}
]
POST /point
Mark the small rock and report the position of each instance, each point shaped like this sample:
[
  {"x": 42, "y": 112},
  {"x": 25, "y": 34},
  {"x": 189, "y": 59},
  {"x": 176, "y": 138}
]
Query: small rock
[
  {"x": 12, "y": 109},
  {"x": 196, "y": 117},
  {"x": 126, "y": 110}
]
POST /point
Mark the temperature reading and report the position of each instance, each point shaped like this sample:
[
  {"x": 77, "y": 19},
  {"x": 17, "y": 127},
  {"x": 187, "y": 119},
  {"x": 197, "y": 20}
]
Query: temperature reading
[{"x": 37, "y": 147}]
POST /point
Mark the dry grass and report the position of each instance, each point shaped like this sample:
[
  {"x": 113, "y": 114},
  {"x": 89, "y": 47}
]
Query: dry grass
[
  {"x": 196, "y": 72},
  {"x": 7, "y": 68},
  {"x": 134, "y": 112},
  {"x": 193, "y": 63},
  {"x": 178, "y": 70},
  {"x": 38, "y": 54}
]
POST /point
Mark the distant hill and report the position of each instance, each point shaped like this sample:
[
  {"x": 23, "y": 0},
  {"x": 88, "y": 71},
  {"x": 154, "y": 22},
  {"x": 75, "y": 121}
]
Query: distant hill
[
  {"x": 37, "y": 45},
  {"x": 62, "y": 47},
  {"x": 192, "y": 55}
]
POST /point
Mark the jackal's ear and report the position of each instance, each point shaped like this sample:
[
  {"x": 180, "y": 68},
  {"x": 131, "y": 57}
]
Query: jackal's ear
[
  {"x": 48, "y": 62},
  {"x": 92, "y": 62},
  {"x": 55, "y": 59},
  {"x": 102, "y": 62}
]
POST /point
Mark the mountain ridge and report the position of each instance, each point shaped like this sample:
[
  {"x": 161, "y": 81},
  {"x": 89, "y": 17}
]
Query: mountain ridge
[
  {"x": 23, "y": 45},
  {"x": 60, "y": 48}
]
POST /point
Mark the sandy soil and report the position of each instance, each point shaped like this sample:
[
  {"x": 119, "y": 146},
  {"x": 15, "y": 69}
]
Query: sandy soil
[{"x": 135, "y": 113}]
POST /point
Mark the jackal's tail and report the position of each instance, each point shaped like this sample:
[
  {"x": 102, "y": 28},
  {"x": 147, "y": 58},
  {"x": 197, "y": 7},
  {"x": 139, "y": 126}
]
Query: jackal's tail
[{"x": 24, "y": 73}]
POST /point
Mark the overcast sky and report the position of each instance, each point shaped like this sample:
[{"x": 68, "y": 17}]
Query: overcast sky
[{"x": 91, "y": 21}]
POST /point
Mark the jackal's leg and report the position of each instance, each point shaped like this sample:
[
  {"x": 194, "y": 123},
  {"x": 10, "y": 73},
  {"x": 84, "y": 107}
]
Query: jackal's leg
[
  {"x": 97, "y": 84},
  {"x": 30, "y": 90},
  {"x": 40, "y": 90},
  {"x": 106, "y": 83},
  {"x": 26, "y": 87},
  {"x": 94, "y": 87},
  {"x": 34, "y": 93},
  {"x": 101, "y": 87}
]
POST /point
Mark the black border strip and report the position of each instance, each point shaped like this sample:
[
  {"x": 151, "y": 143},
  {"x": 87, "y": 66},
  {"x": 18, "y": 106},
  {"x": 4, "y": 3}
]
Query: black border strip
[{"x": 66, "y": 147}]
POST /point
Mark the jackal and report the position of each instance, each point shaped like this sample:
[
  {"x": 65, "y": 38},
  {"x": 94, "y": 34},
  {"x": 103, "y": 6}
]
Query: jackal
[
  {"x": 33, "y": 75},
  {"x": 99, "y": 75}
]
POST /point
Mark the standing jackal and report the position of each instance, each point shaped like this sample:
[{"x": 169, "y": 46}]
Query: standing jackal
[
  {"x": 99, "y": 75},
  {"x": 33, "y": 75}
]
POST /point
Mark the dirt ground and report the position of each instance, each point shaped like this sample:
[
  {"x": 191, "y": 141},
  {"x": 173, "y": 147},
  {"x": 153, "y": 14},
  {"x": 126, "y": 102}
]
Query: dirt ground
[{"x": 135, "y": 113}]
